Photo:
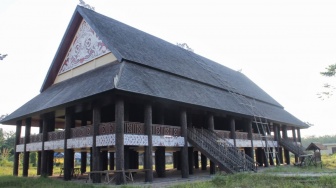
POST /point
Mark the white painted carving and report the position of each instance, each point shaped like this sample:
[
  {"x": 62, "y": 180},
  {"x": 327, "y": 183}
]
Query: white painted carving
[
  {"x": 55, "y": 144},
  {"x": 20, "y": 148},
  {"x": 173, "y": 141},
  {"x": 242, "y": 143},
  {"x": 85, "y": 47},
  {"x": 36, "y": 146},
  {"x": 259, "y": 143},
  {"x": 80, "y": 142},
  {"x": 105, "y": 140},
  {"x": 135, "y": 140}
]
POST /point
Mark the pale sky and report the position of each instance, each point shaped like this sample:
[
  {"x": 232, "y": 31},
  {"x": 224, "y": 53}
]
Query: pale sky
[{"x": 281, "y": 45}]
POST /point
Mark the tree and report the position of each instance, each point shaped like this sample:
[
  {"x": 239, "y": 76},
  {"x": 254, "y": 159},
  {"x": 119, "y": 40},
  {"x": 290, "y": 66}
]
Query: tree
[{"x": 330, "y": 72}]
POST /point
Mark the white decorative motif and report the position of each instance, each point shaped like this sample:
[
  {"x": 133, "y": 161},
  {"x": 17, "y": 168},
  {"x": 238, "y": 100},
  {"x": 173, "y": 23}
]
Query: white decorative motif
[
  {"x": 85, "y": 47},
  {"x": 36, "y": 146},
  {"x": 242, "y": 143},
  {"x": 136, "y": 140},
  {"x": 81, "y": 142},
  {"x": 19, "y": 148},
  {"x": 55, "y": 144},
  {"x": 105, "y": 140},
  {"x": 172, "y": 141},
  {"x": 259, "y": 143}
]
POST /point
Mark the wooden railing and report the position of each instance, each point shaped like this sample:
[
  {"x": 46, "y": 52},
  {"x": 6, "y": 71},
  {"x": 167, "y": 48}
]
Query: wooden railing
[
  {"x": 36, "y": 138},
  {"x": 108, "y": 128},
  {"x": 223, "y": 134}
]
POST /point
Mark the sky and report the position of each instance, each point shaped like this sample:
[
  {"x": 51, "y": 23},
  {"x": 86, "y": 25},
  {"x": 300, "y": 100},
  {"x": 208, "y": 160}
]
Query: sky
[{"x": 280, "y": 45}]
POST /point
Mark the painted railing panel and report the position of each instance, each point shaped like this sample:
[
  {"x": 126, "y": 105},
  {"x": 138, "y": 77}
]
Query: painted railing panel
[
  {"x": 36, "y": 138},
  {"x": 56, "y": 135}
]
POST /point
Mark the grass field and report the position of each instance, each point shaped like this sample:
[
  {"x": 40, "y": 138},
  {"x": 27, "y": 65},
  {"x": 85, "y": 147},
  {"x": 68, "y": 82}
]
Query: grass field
[{"x": 267, "y": 178}]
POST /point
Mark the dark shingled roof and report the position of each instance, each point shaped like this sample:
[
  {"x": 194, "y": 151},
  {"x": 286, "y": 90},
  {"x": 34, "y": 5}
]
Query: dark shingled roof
[
  {"x": 79, "y": 87},
  {"x": 153, "y": 67}
]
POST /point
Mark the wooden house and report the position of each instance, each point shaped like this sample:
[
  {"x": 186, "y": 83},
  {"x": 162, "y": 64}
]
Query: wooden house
[{"x": 114, "y": 90}]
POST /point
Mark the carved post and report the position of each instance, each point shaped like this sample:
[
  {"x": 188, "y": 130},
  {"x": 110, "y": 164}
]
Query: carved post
[
  {"x": 96, "y": 118},
  {"x": 17, "y": 142},
  {"x": 119, "y": 140},
  {"x": 68, "y": 153},
  {"x": 184, "y": 149},
  {"x": 26, "y": 153},
  {"x": 148, "y": 149},
  {"x": 211, "y": 127}
]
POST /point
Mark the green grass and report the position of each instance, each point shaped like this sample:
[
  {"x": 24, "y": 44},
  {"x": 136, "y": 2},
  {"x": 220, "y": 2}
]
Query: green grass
[{"x": 11, "y": 181}]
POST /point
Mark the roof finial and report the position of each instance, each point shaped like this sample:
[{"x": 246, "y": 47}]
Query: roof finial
[
  {"x": 2, "y": 56},
  {"x": 83, "y": 4}
]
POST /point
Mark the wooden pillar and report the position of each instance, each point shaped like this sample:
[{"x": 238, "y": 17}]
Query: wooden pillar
[
  {"x": 203, "y": 162},
  {"x": 44, "y": 153},
  {"x": 191, "y": 160},
  {"x": 83, "y": 153},
  {"x": 17, "y": 142},
  {"x": 148, "y": 149},
  {"x": 190, "y": 149},
  {"x": 177, "y": 160},
  {"x": 260, "y": 156},
  {"x": 184, "y": 149},
  {"x": 50, "y": 153},
  {"x": 127, "y": 157},
  {"x": 160, "y": 153},
  {"x": 104, "y": 160},
  {"x": 196, "y": 162},
  {"x": 250, "y": 137},
  {"x": 233, "y": 130},
  {"x": 26, "y": 153},
  {"x": 295, "y": 140},
  {"x": 160, "y": 161},
  {"x": 68, "y": 153},
  {"x": 119, "y": 140},
  {"x": 96, "y": 166},
  {"x": 111, "y": 161},
  {"x": 285, "y": 136},
  {"x": 211, "y": 127},
  {"x": 39, "y": 153},
  {"x": 276, "y": 139},
  {"x": 298, "y": 135}
]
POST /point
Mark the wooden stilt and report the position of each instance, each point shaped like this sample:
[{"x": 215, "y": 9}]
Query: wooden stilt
[
  {"x": 68, "y": 153},
  {"x": 119, "y": 140},
  {"x": 160, "y": 161},
  {"x": 149, "y": 148},
  {"x": 17, "y": 142},
  {"x": 26, "y": 153},
  {"x": 96, "y": 166},
  {"x": 211, "y": 127},
  {"x": 184, "y": 149}
]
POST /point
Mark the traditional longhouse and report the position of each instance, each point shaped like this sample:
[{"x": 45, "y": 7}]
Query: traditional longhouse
[{"x": 116, "y": 91}]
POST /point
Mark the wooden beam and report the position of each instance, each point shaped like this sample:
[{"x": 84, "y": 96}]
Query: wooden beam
[{"x": 96, "y": 166}]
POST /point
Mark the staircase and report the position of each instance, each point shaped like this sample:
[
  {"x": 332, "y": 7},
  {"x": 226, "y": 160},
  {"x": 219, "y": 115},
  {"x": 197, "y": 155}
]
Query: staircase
[
  {"x": 220, "y": 151},
  {"x": 290, "y": 146}
]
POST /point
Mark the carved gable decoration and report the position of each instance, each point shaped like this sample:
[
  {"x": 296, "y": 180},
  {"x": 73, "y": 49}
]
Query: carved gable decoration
[{"x": 85, "y": 47}]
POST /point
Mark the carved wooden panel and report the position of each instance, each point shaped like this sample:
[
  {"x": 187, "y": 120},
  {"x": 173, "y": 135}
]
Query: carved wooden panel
[
  {"x": 223, "y": 134},
  {"x": 172, "y": 141},
  {"x": 81, "y": 131},
  {"x": 19, "y": 148},
  {"x": 107, "y": 128},
  {"x": 166, "y": 130},
  {"x": 79, "y": 142},
  {"x": 37, "y": 146},
  {"x": 55, "y": 144}
]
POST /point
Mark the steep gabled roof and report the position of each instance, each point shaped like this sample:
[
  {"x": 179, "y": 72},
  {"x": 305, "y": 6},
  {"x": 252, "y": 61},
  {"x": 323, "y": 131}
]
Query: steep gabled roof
[
  {"x": 150, "y": 66},
  {"x": 134, "y": 45}
]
